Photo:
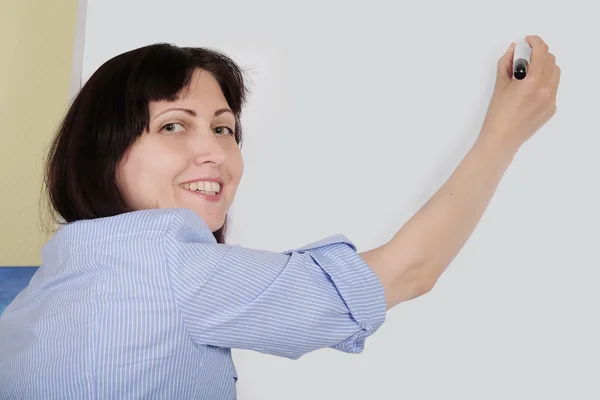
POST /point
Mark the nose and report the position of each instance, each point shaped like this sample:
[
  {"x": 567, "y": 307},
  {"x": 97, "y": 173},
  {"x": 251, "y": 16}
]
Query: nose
[{"x": 208, "y": 149}]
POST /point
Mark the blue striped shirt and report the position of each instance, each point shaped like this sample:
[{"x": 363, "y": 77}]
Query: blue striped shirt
[{"x": 148, "y": 305}]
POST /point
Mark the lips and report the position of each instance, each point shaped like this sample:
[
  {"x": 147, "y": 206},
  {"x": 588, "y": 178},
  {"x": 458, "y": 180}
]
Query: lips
[
  {"x": 208, "y": 188},
  {"x": 208, "y": 197}
]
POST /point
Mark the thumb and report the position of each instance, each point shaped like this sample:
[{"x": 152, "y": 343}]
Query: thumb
[{"x": 505, "y": 65}]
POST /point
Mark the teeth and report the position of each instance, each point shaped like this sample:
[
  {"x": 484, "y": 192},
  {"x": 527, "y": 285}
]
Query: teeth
[{"x": 204, "y": 187}]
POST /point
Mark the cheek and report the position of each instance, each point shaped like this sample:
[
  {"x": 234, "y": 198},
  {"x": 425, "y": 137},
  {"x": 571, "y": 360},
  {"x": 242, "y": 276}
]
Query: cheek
[
  {"x": 146, "y": 175},
  {"x": 235, "y": 166},
  {"x": 126, "y": 183}
]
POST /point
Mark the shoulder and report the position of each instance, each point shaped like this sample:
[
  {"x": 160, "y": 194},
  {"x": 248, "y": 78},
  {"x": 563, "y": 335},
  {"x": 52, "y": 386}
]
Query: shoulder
[
  {"x": 185, "y": 226},
  {"x": 154, "y": 223},
  {"x": 325, "y": 243}
]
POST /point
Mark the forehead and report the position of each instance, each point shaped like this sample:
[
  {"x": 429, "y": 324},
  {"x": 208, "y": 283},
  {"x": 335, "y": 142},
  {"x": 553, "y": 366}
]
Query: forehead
[{"x": 203, "y": 94}]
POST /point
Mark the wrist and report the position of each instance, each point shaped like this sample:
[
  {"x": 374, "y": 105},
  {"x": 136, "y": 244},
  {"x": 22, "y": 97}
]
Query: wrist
[{"x": 497, "y": 144}]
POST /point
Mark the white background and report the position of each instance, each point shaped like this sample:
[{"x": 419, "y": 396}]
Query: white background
[{"x": 358, "y": 114}]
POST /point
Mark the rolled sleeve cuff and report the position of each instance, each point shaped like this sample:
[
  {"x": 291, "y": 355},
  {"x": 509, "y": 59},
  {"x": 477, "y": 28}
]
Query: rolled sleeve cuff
[{"x": 357, "y": 284}]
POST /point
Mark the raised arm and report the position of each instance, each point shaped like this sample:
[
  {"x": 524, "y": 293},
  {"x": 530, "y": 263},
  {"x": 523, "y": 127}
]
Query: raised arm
[
  {"x": 286, "y": 304},
  {"x": 410, "y": 264}
]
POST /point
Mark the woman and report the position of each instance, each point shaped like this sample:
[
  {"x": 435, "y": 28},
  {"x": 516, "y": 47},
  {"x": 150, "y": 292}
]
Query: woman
[{"x": 138, "y": 295}]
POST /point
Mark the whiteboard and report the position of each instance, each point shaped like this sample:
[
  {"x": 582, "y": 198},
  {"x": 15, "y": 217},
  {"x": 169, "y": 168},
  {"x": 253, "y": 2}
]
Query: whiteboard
[{"x": 358, "y": 114}]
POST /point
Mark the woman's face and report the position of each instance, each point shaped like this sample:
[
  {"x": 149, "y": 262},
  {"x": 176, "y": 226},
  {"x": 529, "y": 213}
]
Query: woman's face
[{"x": 189, "y": 157}]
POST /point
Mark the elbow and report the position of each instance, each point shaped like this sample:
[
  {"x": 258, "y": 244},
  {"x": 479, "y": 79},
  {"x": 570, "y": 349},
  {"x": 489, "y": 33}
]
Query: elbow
[
  {"x": 421, "y": 286},
  {"x": 424, "y": 279},
  {"x": 408, "y": 277},
  {"x": 413, "y": 283},
  {"x": 426, "y": 285}
]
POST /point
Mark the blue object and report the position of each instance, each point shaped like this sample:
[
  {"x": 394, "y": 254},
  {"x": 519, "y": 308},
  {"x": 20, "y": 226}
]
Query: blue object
[{"x": 12, "y": 281}]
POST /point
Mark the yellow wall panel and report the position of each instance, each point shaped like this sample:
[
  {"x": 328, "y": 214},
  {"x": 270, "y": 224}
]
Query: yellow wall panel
[{"x": 37, "y": 40}]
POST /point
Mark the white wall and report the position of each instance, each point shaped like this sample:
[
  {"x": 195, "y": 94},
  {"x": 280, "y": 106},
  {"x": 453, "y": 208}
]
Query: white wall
[{"x": 358, "y": 114}]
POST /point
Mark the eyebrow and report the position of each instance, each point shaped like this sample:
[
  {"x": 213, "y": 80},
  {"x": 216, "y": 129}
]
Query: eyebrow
[{"x": 192, "y": 112}]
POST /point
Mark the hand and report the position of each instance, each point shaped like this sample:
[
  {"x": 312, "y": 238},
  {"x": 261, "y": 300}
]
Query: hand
[{"x": 519, "y": 108}]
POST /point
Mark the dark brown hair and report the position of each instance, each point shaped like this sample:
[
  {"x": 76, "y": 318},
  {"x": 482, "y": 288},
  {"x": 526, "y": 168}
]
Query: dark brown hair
[{"x": 111, "y": 111}]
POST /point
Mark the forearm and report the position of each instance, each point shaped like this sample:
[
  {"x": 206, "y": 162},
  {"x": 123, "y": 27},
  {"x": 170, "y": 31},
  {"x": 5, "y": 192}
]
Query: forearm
[{"x": 412, "y": 261}]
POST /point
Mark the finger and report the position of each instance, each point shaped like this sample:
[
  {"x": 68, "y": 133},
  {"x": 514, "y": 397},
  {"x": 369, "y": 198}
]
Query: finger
[
  {"x": 505, "y": 63},
  {"x": 549, "y": 66},
  {"x": 555, "y": 81},
  {"x": 539, "y": 53}
]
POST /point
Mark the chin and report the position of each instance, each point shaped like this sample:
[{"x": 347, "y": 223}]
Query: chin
[
  {"x": 214, "y": 223},
  {"x": 215, "y": 219}
]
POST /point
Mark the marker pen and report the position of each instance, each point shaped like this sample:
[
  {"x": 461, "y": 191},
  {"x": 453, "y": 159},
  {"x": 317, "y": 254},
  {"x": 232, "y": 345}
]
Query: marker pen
[{"x": 522, "y": 59}]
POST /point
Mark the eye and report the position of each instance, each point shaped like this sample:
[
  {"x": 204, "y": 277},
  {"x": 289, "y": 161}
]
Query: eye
[
  {"x": 223, "y": 130},
  {"x": 171, "y": 127}
]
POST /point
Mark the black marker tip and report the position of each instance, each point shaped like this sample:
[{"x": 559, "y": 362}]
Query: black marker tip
[{"x": 520, "y": 71}]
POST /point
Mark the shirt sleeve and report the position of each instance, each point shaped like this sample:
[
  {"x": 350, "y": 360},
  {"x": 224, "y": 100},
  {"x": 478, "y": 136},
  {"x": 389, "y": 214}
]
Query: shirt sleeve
[{"x": 287, "y": 304}]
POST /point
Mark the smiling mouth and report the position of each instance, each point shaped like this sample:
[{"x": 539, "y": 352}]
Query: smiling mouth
[{"x": 205, "y": 188}]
